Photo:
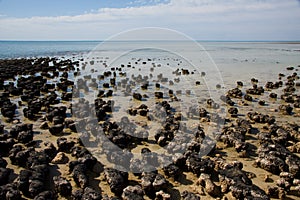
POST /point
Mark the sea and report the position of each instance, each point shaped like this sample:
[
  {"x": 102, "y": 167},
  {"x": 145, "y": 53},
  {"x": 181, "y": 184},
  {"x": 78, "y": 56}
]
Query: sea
[{"x": 231, "y": 59}]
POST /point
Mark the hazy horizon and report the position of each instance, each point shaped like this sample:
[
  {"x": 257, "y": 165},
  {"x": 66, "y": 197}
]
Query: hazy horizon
[{"x": 259, "y": 41}]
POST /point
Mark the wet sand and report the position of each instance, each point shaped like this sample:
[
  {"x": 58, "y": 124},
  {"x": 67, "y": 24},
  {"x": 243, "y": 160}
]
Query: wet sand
[{"x": 187, "y": 180}]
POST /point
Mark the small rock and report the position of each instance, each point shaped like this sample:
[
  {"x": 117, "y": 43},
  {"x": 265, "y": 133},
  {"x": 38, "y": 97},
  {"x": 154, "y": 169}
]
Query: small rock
[
  {"x": 209, "y": 186},
  {"x": 62, "y": 186},
  {"x": 137, "y": 96},
  {"x": 261, "y": 102},
  {"x": 161, "y": 195},
  {"x": 267, "y": 179},
  {"x": 158, "y": 95},
  {"x": 189, "y": 196},
  {"x": 60, "y": 158},
  {"x": 46, "y": 195},
  {"x": 44, "y": 126},
  {"x": 91, "y": 194},
  {"x": 56, "y": 129},
  {"x": 4, "y": 175},
  {"x": 133, "y": 192}
]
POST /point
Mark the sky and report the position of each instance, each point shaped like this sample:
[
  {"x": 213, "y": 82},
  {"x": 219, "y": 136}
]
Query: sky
[{"x": 198, "y": 19}]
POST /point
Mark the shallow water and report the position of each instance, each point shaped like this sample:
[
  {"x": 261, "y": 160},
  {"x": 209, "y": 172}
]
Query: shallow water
[
  {"x": 230, "y": 59},
  {"x": 235, "y": 61}
]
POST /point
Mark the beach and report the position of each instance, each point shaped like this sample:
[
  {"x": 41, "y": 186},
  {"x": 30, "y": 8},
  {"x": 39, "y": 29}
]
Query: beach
[{"x": 151, "y": 124}]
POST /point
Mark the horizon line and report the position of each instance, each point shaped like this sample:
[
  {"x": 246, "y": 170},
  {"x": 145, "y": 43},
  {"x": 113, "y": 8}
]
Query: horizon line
[{"x": 148, "y": 40}]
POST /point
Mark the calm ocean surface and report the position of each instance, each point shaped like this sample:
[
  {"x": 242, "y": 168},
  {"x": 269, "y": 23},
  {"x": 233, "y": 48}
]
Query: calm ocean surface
[
  {"x": 232, "y": 58},
  {"x": 16, "y": 49}
]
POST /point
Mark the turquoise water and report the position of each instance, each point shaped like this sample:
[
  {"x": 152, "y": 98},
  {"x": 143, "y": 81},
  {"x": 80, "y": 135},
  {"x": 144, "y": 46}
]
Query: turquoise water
[{"x": 16, "y": 49}]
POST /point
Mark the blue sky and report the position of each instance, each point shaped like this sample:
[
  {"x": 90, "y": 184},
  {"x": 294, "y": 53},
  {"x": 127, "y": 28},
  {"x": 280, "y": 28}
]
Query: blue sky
[
  {"x": 199, "y": 19},
  {"x": 29, "y": 8}
]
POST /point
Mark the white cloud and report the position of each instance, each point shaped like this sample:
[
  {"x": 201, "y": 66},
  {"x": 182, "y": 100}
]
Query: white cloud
[
  {"x": 205, "y": 19},
  {"x": 148, "y": 2}
]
